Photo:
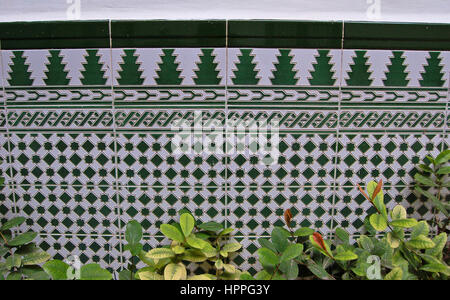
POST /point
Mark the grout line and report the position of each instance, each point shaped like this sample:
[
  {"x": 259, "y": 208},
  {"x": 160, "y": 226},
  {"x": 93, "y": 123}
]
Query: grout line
[
  {"x": 338, "y": 135},
  {"x": 116, "y": 155},
  {"x": 8, "y": 135},
  {"x": 446, "y": 114},
  {"x": 227, "y": 157}
]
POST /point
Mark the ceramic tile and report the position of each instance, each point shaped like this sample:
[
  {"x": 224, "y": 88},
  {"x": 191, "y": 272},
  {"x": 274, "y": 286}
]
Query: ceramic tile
[{"x": 68, "y": 209}]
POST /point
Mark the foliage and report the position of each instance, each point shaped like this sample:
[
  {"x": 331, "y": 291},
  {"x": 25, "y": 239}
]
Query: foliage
[
  {"x": 191, "y": 242},
  {"x": 401, "y": 247},
  {"x": 434, "y": 176},
  {"x": 21, "y": 256}
]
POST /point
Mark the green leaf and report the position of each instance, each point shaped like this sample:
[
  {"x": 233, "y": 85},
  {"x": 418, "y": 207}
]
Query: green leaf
[
  {"x": 13, "y": 261},
  {"x": 424, "y": 180},
  {"x": 267, "y": 257},
  {"x": 263, "y": 275},
  {"x": 14, "y": 276},
  {"x": 12, "y": 223},
  {"x": 3, "y": 251},
  {"x": 148, "y": 275},
  {"x": 35, "y": 273},
  {"x": 443, "y": 171},
  {"x": 420, "y": 242},
  {"x": 219, "y": 264},
  {"x": 420, "y": 229},
  {"x": 187, "y": 224},
  {"x": 267, "y": 244},
  {"x": 346, "y": 256},
  {"x": 343, "y": 235},
  {"x": 172, "y": 232},
  {"x": 159, "y": 253},
  {"x": 439, "y": 241},
  {"x": 289, "y": 269},
  {"x": 436, "y": 268},
  {"x": 57, "y": 269},
  {"x": 378, "y": 222},
  {"x": 443, "y": 157},
  {"x": 398, "y": 212},
  {"x": 35, "y": 258},
  {"x": 175, "y": 272},
  {"x": 231, "y": 247},
  {"x": 291, "y": 252},
  {"x": 133, "y": 233},
  {"x": 404, "y": 223},
  {"x": 304, "y": 231},
  {"x": 280, "y": 238},
  {"x": 94, "y": 272},
  {"x": 22, "y": 239},
  {"x": 202, "y": 277},
  {"x": 194, "y": 255},
  {"x": 246, "y": 276},
  {"x": 318, "y": 271},
  {"x": 196, "y": 243},
  {"x": 395, "y": 274},
  {"x": 366, "y": 243},
  {"x": 392, "y": 240},
  {"x": 211, "y": 226},
  {"x": 226, "y": 231},
  {"x": 426, "y": 168}
]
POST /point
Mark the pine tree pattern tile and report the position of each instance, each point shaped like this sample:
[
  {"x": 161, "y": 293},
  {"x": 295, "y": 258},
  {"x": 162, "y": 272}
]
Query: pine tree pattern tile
[
  {"x": 68, "y": 209},
  {"x": 56, "y": 158},
  {"x": 154, "y": 206},
  {"x": 255, "y": 210}
]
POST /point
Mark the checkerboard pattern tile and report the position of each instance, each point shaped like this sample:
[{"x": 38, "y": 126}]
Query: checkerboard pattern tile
[{"x": 87, "y": 136}]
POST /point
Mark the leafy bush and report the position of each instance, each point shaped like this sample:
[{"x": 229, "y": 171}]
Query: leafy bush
[{"x": 190, "y": 243}]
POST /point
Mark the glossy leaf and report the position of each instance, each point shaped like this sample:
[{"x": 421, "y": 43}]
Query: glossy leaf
[
  {"x": 94, "y": 272},
  {"x": 12, "y": 223},
  {"x": 22, "y": 239},
  {"x": 231, "y": 247},
  {"x": 394, "y": 274},
  {"x": 175, "y": 272},
  {"x": 291, "y": 252},
  {"x": 159, "y": 253},
  {"x": 442, "y": 157},
  {"x": 172, "y": 232},
  {"x": 133, "y": 232},
  {"x": 267, "y": 257},
  {"x": 187, "y": 224},
  {"x": 211, "y": 226},
  {"x": 345, "y": 256},
  {"x": 404, "y": 223},
  {"x": 378, "y": 222},
  {"x": 421, "y": 242},
  {"x": 57, "y": 269},
  {"x": 304, "y": 231}
]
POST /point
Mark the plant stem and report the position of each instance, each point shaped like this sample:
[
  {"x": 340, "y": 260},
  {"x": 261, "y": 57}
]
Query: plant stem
[{"x": 3, "y": 237}]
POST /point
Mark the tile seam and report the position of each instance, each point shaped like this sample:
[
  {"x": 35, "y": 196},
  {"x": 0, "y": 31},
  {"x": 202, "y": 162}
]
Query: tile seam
[
  {"x": 8, "y": 135},
  {"x": 116, "y": 155}
]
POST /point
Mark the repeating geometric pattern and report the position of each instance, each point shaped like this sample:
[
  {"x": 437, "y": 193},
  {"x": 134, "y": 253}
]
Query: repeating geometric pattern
[
  {"x": 303, "y": 159},
  {"x": 89, "y": 137},
  {"x": 74, "y": 159},
  {"x": 68, "y": 209},
  {"x": 391, "y": 157},
  {"x": 100, "y": 249},
  {"x": 255, "y": 210}
]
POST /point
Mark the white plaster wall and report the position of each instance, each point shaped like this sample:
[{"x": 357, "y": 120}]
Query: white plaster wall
[{"x": 390, "y": 10}]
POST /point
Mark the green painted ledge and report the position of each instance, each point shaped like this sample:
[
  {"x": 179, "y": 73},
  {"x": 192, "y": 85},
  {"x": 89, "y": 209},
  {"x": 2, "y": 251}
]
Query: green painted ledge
[{"x": 221, "y": 33}]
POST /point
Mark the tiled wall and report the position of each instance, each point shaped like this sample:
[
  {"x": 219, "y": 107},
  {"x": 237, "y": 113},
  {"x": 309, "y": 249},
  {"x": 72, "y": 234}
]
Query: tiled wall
[{"x": 86, "y": 112}]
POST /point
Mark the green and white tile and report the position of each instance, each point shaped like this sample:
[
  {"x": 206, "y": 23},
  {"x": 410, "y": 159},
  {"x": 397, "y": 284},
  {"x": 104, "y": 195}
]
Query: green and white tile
[
  {"x": 68, "y": 209},
  {"x": 103, "y": 250},
  {"x": 63, "y": 158},
  {"x": 255, "y": 210}
]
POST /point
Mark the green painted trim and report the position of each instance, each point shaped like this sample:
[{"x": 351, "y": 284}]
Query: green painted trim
[
  {"x": 54, "y": 35},
  {"x": 162, "y": 33},
  {"x": 284, "y": 34},
  {"x": 402, "y": 36}
]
